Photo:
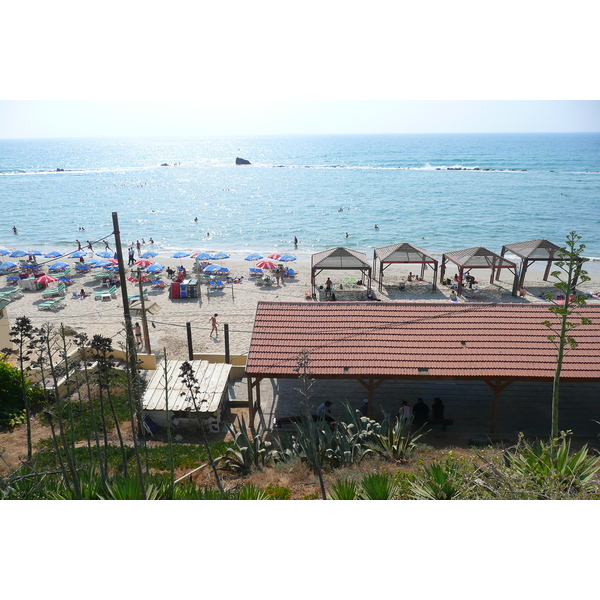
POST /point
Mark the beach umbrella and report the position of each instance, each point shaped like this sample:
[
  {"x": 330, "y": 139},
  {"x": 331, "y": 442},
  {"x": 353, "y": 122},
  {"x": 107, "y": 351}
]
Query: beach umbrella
[
  {"x": 149, "y": 254},
  {"x": 219, "y": 256},
  {"x": 180, "y": 254},
  {"x": 59, "y": 266},
  {"x": 155, "y": 268},
  {"x": 53, "y": 254},
  {"x": 144, "y": 262},
  {"x": 266, "y": 264},
  {"x": 215, "y": 269},
  {"x": 8, "y": 265},
  {"x": 4, "y": 252},
  {"x": 103, "y": 263},
  {"x": 203, "y": 256},
  {"x": 91, "y": 263},
  {"x": 274, "y": 256},
  {"x": 34, "y": 252},
  {"x": 78, "y": 254},
  {"x": 253, "y": 256},
  {"x": 105, "y": 254},
  {"x": 45, "y": 279},
  {"x": 287, "y": 258},
  {"x": 18, "y": 253}
]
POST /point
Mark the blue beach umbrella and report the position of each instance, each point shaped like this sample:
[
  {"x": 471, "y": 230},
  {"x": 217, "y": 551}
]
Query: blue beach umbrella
[
  {"x": 4, "y": 252},
  {"x": 53, "y": 254},
  {"x": 180, "y": 254},
  {"x": 155, "y": 268},
  {"x": 35, "y": 252},
  {"x": 8, "y": 265},
  {"x": 253, "y": 256},
  {"x": 215, "y": 269},
  {"x": 286, "y": 258},
  {"x": 91, "y": 263},
  {"x": 149, "y": 254},
  {"x": 104, "y": 254},
  {"x": 220, "y": 256},
  {"x": 18, "y": 253},
  {"x": 203, "y": 256},
  {"x": 78, "y": 254},
  {"x": 103, "y": 263},
  {"x": 59, "y": 266}
]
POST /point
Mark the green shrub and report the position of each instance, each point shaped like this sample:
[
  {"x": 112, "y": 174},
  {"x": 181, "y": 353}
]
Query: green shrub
[{"x": 277, "y": 492}]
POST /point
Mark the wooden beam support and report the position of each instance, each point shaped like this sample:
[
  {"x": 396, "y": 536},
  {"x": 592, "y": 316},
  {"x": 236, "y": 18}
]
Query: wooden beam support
[{"x": 497, "y": 386}]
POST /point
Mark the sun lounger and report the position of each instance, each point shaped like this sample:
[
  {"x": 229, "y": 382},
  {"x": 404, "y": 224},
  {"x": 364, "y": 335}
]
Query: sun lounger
[
  {"x": 51, "y": 304},
  {"x": 59, "y": 291},
  {"x": 109, "y": 295},
  {"x": 11, "y": 294},
  {"x": 135, "y": 297},
  {"x": 216, "y": 285},
  {"x": 256, "y": 272}
]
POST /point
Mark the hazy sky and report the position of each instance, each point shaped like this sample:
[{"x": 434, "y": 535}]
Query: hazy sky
[
  {"x": 196, "y": 118},
  {"x": 263, "y": 67}
]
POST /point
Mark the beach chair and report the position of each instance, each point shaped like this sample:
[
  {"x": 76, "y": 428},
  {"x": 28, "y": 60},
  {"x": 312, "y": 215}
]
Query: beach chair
[
  {"x": 109, "y": 295},
  {"x": 216, "y": 285},
  {"x": 59, "y": 291},
  {"x": 51, "y": 304},
  {"x": 158, "y": 285}
]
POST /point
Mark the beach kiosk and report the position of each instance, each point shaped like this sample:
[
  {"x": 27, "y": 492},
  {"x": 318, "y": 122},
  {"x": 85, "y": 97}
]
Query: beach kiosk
[{"x": 167, "y": 397}]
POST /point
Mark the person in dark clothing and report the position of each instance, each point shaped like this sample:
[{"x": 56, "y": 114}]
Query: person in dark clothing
[
  {"x": 420, "y": 411},
  {"x": 437, "y": 410}
]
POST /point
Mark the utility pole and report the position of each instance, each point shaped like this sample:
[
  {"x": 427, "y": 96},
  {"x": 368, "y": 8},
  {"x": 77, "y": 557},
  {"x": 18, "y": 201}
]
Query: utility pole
[
  {"x": 144, "y": 318},
  {"x": 188, "y": 327},
  {"x": 131, "y": 346}
]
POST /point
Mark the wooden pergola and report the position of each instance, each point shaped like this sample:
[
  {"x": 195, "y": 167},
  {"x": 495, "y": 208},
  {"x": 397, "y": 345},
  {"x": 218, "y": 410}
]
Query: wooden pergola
[
  {"x": 403, "y": 254},
  {"x": 478, "y": 258},
  {"x": 375, "y": 342},
  {"x": 342, "y": 259},
  {"x": 535, "y": 251}
]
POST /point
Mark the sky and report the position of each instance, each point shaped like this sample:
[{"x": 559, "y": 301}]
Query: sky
[
  {"x": 244, "y": 68},
  {"x": 99, "y": 118}
]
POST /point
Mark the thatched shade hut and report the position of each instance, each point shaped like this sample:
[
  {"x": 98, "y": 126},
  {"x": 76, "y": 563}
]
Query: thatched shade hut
[
  {"x": 478, "y": 258},
  {"x": 403, "y": 254}
]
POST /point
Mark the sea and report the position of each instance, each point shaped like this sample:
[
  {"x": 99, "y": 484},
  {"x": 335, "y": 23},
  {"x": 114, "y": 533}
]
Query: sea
[{"x": 441, "y": 192}]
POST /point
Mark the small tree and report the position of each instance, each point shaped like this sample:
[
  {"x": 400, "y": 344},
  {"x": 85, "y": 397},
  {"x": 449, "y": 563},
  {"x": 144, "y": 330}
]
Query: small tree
[{"x": 570, "y": 265}]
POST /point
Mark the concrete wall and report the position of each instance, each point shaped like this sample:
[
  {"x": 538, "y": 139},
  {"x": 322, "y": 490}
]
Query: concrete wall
[{"x": 4, "y": 329}]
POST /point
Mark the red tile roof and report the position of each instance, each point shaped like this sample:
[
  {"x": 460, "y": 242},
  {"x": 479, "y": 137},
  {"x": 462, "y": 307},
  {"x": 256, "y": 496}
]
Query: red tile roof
[{"x": 414, "y": 340}]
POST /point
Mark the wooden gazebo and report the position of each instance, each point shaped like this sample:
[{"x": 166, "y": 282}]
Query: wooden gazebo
[
  {"x": 402, "y": 254},
  {"x": 342, "y": 259},
  {"x": 533, "y": 251},
  {"x": 478, "y": 258}
]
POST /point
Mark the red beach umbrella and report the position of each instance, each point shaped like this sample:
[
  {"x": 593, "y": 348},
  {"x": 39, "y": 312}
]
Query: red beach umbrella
[
  {"x": 266, "y": 264},
  {"x": 274, "y": 256},
  {"x": 143, "y": 263},
  {"x": 46, "y": 279}
]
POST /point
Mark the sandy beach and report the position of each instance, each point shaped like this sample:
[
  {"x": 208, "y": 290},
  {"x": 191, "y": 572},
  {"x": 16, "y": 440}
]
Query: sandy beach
[{"x": 236, "y": 303}]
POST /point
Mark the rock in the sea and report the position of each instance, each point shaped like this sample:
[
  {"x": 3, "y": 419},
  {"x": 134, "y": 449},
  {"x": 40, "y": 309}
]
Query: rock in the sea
[
  {"x": 164, "y": 165},
  {"x": 241, "y": 161}
]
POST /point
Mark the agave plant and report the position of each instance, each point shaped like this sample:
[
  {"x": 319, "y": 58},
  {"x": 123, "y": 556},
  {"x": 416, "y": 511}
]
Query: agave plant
[
  {"x": 378, "y": 486},
  {"x": 395, "y": 440},
  {"x": 550, "y": 466},
  {"x": 250, "y": 451},
  {"x": 344, "y": 489},
  {"x": 439, "y": 481}
]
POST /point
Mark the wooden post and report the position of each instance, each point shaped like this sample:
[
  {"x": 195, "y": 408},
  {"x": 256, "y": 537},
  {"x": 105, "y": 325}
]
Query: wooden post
[
  {"x": 548, "y": 266},
  {"x": 250, "y": 404},
  {"x": 460, "y": 280},
  {"x": 443, "y": 268},
  {"x": 188, "y": 327},
  {"x": 502, "y": 253},
  {"x": 497, "y": 387},
  {"x": 226, "y": 330},
  {"x": 435, "y": 270},
  {"x": 144, "y": 316}
]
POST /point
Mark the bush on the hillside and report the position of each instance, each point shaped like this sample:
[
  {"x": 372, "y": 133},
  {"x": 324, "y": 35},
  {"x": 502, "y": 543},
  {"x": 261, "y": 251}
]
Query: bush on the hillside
[{"x": 12, "y": 409}]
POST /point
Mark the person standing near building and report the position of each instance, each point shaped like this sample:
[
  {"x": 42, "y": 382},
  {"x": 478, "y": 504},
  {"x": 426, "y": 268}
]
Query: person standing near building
[{"x": 420, "y": 411}]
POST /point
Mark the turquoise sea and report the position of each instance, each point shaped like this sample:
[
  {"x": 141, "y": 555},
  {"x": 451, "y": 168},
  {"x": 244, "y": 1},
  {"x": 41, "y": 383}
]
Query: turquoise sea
[{"x": 440, "y": 192}]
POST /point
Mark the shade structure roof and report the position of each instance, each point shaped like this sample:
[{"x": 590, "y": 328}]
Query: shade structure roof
[
  {"x": 340, "y": 258},
  {"x": 212, "y": 383},
  {"x": 478, "y": 257},
  {"x": 535, "y": 249},
  {"x": 418, "y": 341},
  {"x": 403, "y": 253}
]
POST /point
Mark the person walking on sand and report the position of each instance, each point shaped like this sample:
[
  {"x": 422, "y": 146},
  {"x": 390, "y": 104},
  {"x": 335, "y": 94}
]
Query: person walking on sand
[
  {"x": 213, "y": 322},
  {"x": 138, "y": 334},
  {"x": 78, "y": 245}
]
